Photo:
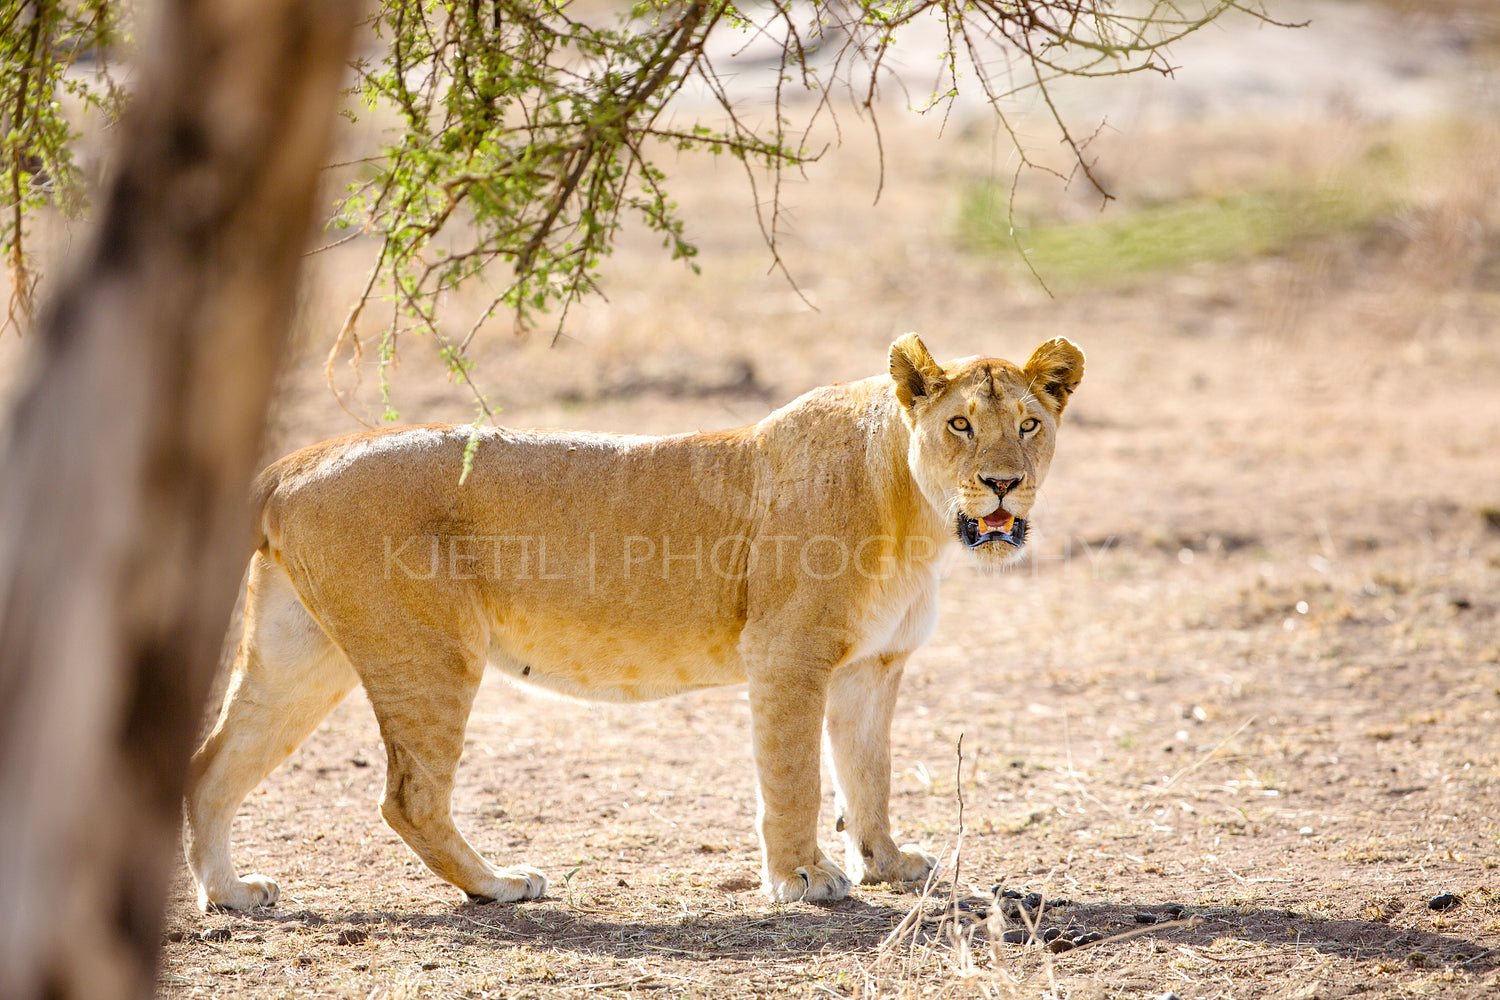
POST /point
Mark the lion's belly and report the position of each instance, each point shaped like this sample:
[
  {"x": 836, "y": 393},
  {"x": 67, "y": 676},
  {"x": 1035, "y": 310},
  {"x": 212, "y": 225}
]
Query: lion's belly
[{"x": 602, "y": 664}]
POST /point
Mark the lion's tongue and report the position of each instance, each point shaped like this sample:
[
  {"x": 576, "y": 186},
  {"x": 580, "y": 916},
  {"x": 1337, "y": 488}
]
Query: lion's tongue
[{"x": 1000, "y": 520}]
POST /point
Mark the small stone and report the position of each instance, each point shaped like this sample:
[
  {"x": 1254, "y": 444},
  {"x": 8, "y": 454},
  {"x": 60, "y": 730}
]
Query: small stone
[
  {"x": 1174, "y": 910},
  {"x": 1032, "y": 901},
  {"x": 1059, "y": 945},
  {"x": 1444, "y": 901},
  {"x": 1051, "y": 934},
  {"x": 1088, "y": 938},
  {"x": 216, "y": 936},
  {"x": 1145, "y": 918},
  {"x": 1015, "y": 937},
  {"x": 1169, "y": 995}
]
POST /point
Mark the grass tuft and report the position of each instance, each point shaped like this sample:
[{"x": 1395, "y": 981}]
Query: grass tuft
[
  {"x": 1166, "y": 237},
  {"x": 1398, "y": 180}
]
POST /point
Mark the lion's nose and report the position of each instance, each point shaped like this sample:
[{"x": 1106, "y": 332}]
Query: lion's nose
[{"x": 1002, "y": 486}]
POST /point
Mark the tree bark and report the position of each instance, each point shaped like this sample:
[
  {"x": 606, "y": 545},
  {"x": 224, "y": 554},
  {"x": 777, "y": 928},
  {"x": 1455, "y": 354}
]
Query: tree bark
[{"x": 123, "y": 520}]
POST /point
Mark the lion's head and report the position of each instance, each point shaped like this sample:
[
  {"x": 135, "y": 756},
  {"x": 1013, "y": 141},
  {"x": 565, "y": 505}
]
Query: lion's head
[{"x": 982, "y": 435}]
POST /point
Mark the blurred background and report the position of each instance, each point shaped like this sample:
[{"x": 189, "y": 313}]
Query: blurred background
[{"x": 1283, "y": 183}]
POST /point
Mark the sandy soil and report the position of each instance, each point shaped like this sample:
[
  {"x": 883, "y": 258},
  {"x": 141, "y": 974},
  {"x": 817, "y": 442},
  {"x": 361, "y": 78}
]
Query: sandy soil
[{"x": 1238, "y": 713}]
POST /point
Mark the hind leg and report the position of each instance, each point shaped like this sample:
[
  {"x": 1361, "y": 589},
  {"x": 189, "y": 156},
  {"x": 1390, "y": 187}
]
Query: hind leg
[
  {"x": 287, "y": 676},
  {"x": 422, "y": 720}
]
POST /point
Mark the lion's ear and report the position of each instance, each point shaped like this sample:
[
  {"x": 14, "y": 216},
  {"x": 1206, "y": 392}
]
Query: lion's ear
[
  {"x": 912, "y": 369},
  {"x": 1054, "y": 371}
]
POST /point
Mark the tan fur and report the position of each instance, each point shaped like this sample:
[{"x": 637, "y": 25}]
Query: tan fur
[{"x": 799, "y": 555}]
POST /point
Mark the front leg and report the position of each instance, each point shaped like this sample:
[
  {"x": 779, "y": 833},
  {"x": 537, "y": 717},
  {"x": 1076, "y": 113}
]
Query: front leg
[
  {"x": 861, "y": 699},
  {"x": 786, "y": 708}
]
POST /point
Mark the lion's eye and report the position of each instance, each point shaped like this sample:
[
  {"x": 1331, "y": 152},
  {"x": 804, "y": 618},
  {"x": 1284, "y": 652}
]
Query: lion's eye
[
  {"x": 961, "y": 425},
  {"x": 1030, "y": 424}
]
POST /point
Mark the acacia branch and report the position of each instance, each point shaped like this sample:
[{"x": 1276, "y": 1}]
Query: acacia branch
[
  {"x": 645, "y": 89},
  {"x": 532, "y": 129}
]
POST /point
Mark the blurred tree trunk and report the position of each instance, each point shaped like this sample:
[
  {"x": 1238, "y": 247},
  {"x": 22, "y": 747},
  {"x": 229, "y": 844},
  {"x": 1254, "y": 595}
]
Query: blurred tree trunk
[{"x": 123, "y": 521}]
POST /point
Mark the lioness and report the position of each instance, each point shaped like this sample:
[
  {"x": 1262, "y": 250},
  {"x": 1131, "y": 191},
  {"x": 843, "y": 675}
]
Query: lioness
[{"x": 799, "y": 554}]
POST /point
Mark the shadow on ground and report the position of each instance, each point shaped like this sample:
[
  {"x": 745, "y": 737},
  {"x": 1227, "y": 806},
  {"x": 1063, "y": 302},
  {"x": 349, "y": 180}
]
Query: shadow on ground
[{"x": 855, "y": 926}]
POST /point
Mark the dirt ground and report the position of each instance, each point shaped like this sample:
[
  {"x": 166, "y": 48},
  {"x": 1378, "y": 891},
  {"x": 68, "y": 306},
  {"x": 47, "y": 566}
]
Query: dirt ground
[{"x": 1238, "y": 714}]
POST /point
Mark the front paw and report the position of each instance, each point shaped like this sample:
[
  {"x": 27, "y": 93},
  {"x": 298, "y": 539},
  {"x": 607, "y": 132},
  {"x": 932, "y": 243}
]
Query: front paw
[
  {"x": 821, "y": 881},
  {"x": 906, "y": 864},
  {"x": 241, "y": 894},
  {"x": 509, "y": 886}
]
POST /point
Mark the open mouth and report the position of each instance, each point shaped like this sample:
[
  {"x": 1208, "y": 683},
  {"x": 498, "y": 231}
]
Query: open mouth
[{"x": 1001, "y": 526}]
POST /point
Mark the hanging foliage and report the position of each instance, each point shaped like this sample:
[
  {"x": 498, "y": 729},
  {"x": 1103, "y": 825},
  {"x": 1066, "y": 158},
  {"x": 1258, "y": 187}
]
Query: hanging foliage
[{"x": 529, "y": 132}]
